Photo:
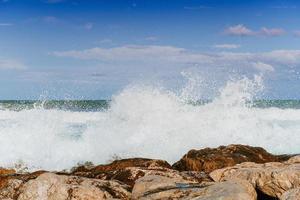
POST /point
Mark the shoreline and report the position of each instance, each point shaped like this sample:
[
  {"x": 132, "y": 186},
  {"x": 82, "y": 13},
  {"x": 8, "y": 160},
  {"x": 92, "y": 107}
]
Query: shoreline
[{"x": 239, "y": 171}]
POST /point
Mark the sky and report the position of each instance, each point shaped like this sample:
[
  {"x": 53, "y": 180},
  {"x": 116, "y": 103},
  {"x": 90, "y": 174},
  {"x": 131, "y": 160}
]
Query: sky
[{"x": 92, "y": 49}]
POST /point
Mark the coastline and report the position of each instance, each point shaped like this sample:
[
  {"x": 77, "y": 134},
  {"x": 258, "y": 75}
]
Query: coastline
[{"x": 238, "y": 172}]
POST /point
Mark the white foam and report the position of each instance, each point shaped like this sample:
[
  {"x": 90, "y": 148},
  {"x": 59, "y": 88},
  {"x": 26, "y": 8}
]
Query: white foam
[{"x": 145, "y": 121}]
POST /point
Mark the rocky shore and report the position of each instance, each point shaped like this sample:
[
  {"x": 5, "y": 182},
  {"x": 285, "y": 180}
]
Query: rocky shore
[{"x": 234, "y": 172}]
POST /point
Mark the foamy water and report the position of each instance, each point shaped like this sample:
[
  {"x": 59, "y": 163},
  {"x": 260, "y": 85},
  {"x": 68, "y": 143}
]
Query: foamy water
[{"x": 145, "y": 121}]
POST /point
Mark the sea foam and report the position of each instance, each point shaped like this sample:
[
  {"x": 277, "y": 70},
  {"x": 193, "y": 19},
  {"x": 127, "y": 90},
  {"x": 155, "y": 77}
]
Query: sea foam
[{"x": 146, "y": 121}]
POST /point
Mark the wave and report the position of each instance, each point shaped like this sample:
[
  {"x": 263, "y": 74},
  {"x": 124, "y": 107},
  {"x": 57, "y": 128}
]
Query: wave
[{"x": 146, "y": 121}]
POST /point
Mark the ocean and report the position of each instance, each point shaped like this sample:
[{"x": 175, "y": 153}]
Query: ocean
[{"x": 143, "y": 121}]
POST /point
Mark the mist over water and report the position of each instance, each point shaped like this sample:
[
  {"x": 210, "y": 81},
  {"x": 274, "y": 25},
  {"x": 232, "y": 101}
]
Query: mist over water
[{"x": 146, "y": 121}]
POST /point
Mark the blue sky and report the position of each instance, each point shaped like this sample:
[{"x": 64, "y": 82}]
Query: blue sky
[{"x": 91, "y": 49}]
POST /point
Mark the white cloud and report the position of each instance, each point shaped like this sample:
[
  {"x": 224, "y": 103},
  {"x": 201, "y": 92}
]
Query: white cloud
[
  {"x": 174, "y": 56},
  {"x": 283, "y": 56},
  {"x": 226, "y": 46},
  {"x": 272, "y": 31},
  {"x": 11, "y": 64},
  {"x": 263, "y": 66},
  {"x": 126, "y": 53},
  {"x": 239, "y": 30}
]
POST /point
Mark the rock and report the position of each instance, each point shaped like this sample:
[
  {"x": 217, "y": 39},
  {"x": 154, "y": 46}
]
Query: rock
[
  {"x": 126, "y": 171},
  {"x": 4, "y": 171},
  {"x": 124, "y": 163},
  {"x": 210, "y": 159},
  {"x": 142, "y": 163},
  {"x": 272, "y": 179},
  {"x": 60, "y": 187},
  {"x": 11, "y": 183},
  {"x": 293, "y": 194},
  {"x": 164, "y": 187},
  {"x": 294, "y": 159},
  {"x": 10, "y": 190}
]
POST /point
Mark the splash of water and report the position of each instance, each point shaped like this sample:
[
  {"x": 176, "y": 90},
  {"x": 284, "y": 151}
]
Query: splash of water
[{"x": 146, "y": 121}]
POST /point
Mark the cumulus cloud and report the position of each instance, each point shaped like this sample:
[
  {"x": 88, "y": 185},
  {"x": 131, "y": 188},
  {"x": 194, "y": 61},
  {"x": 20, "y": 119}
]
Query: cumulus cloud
[
  {"x": 226, "y": 46},
  {"x": 126, "y": 53},
  {"x": 6, "y": 64},
  {"x": 263, "y": 66},
  {"x": 272, "y": 31},
  {"x": 172, "y": 56},
  {"x": 239, "y": 30},
  {"x": 288, "y": 57}
]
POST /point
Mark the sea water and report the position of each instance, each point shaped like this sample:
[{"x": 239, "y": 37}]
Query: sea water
[{"x": 144, "y": 121}]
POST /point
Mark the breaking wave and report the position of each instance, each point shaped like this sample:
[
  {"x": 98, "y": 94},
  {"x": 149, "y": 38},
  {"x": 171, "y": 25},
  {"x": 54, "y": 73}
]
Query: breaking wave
[{"x": 146, "y": 121}]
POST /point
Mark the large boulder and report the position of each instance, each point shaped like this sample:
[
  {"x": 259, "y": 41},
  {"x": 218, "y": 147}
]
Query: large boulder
[
  {"x": 51, "y": 186},
  {"x": 121, "y": 164},
  {"x": 210, "y": 159},
  {"x": 126, "y": 170},
  {"x": 158, "y": 187},
  {"x": 272, "y": 179}
]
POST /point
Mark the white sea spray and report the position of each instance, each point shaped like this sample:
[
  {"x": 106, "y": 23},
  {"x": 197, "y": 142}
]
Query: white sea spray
[{"x": 146, "y": 121}]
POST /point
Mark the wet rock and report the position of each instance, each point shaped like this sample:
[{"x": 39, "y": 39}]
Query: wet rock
[
  {"x": 210, "y": 159},
  {"x": 272, "y": 179},
  {"x": 122, "y": 164},
  {"x": 164, "y": 187},
  {"x": 4, "y": 171},
  {"x": 126, "y": 171},
  {"x": 293, "y": 194},
  {"x": 51, "y": 186}
]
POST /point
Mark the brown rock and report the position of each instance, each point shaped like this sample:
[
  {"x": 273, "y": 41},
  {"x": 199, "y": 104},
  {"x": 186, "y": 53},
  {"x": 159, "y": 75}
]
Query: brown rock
[
  {"x": 210, "y": 159},
  {"x": 130, "y": 174},
  {"x": 124, "y": 163},
  {"x": 293, "y": 194},
  {"x": 59, "y": 187},
  {"x": 11, "y": 183},
  {"x": 4, "y": 171},
  {"x": 126, "y": 170},
  {"x": 294, "y": 159},
  {"x": 164, "y": 187},
  {"x": 272, "y": 179}
]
